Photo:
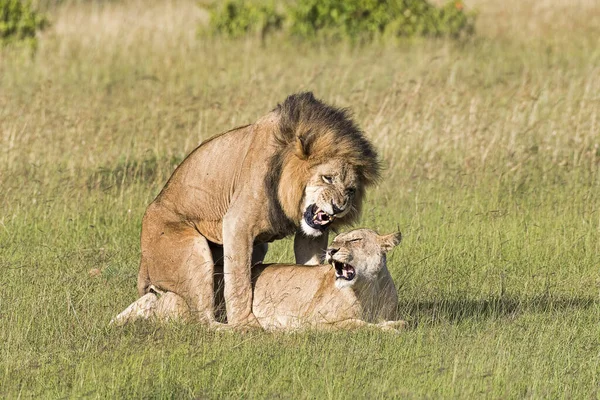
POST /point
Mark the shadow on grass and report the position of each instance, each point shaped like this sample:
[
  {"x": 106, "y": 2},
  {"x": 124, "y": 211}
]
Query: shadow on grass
[{"x": 457, "y": 310}]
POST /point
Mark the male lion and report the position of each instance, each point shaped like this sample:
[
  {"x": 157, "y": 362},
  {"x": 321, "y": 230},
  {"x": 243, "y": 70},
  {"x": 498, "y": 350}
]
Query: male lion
[
  {"x": 355, "y": 289},
  {"x": 302, "y": 169}
]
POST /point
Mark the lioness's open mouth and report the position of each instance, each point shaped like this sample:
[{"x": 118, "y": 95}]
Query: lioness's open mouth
[
  {"x": 344, "y": 271},
  {"x": 317, "y": 218}
]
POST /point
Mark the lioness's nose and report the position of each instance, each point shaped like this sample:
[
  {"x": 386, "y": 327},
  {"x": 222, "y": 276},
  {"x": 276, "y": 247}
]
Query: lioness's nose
[{"x": 331, "y": 252}]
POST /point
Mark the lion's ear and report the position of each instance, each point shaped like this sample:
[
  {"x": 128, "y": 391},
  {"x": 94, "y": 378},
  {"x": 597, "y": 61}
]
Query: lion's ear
[
  {"x": 302, "y": 150},
  {"x": 388, "y": 242}
]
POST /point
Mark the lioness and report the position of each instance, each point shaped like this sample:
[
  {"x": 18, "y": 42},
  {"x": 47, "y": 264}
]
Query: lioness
[
  {"x": 355, "y": 289},
  {"x": 302, "y": 169}
]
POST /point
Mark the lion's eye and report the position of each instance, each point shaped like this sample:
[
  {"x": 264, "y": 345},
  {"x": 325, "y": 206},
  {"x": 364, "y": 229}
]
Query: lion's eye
[{"x": 327, "y": 179}]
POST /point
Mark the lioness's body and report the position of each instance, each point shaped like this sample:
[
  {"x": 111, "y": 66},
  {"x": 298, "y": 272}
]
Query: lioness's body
[
  {"x": 296, "y": 170},
  {"x": 296, "y": 296},
  {"x": 290, "y": 296}
]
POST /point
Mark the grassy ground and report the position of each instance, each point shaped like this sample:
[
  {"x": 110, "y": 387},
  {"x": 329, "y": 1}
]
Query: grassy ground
[{"x": 492, "y": 154}]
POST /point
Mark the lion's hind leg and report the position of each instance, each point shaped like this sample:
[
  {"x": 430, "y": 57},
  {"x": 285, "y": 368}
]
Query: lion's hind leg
[{"x": 177, "y": 258}]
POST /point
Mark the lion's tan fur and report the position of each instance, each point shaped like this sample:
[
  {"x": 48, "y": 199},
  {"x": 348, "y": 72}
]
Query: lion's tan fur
[
  {"x": 291, "y": 297},
  {"x": 247, "y": 187}
]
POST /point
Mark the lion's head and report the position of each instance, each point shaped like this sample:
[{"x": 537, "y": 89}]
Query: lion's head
[
  {"x": 359, "y": 256},
  {"x": 322, "y": 166}
]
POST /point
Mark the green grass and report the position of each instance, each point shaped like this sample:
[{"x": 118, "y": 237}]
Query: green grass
[{"x": 492, "y": 154}]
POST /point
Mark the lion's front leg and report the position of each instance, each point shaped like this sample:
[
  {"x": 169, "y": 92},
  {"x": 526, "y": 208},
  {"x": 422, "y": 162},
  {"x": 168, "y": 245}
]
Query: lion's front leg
[
  {"x": 237, "y": 251},
  {"x": 310, "y": 250}
]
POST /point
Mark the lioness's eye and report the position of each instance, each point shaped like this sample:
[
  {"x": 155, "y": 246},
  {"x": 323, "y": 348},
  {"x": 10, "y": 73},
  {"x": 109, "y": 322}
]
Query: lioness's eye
[{"x": 327, "y": 178}]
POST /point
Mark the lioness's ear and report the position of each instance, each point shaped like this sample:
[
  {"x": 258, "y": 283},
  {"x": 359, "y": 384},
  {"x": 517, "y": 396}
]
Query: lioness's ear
[{"x": 388, "y": 242}]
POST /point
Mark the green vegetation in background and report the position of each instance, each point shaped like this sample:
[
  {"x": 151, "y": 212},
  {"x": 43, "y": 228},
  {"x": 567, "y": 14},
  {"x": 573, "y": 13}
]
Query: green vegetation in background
[
  {"x": 354, "y": 19},
  {"x": 19, "y": 22},
  {"x": 366, "y": 19},
  {"x": 236, "y": 18}
]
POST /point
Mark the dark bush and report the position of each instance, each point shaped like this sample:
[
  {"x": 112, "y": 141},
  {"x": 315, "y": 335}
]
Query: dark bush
[
  {"x": 235, "y": 18},
  {"x": 366, "y": 19},
  {"x": 19, "y": 22},
  {"x": 341, "y": 19}
]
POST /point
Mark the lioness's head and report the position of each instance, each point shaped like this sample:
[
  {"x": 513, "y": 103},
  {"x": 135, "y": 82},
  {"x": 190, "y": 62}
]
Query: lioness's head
[
  {"x": 323, "y": 164},
  {"x": 358, "y": 256}
]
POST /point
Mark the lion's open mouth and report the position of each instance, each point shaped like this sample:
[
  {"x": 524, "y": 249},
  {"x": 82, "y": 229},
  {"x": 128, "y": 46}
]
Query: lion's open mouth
[
  {"x": 317, "y": 218},
  {"x": 344, "y": 271}
]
